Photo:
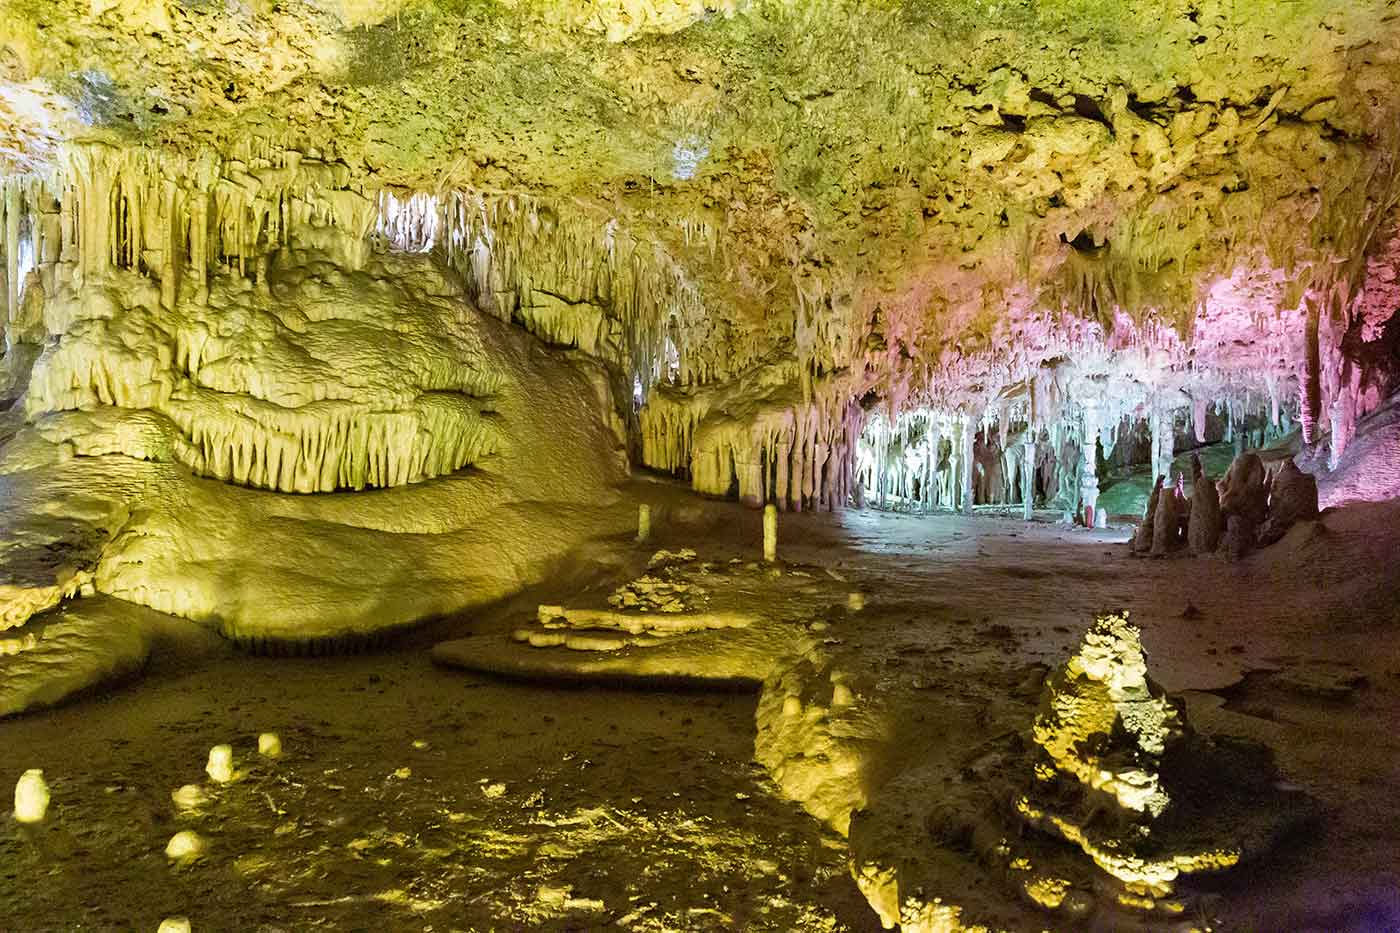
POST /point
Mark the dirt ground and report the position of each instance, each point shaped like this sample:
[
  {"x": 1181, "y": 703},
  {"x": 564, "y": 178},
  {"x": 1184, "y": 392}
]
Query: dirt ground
[{"x": 416, "y": 798}]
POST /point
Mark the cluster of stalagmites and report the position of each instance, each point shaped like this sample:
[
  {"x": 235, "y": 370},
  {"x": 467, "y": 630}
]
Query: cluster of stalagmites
[{"x": 1253, "y": 506}]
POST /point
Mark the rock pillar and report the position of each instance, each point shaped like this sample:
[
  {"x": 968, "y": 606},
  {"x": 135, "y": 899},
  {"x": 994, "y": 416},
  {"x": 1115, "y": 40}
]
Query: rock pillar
[
  {"x": 1028, "y": 475},
  {"x": 1088, "y": 471},
  {"x": 969, "y": 435},
  {"x": 770, "y": 533}
]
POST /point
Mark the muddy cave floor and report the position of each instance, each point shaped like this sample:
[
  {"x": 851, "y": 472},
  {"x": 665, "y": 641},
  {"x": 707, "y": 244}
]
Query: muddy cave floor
[{"x": 418, "y": 798}]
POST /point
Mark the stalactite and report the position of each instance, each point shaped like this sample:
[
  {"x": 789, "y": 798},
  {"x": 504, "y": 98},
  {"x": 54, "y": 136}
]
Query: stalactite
[
  {"x": 572, "y": 278},
  {"x": 796, "y": 454},
  {"x": 12, "y": 212},
  {"x": 1309, "y": 389}
]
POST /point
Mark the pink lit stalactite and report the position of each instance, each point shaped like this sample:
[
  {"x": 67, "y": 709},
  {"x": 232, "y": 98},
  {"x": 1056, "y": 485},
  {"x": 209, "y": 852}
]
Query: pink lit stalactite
[
  {"x": 1198, "y": 417},
  {"x": 1309, "y": 388},
  {"x": 1345, "y": 412}
]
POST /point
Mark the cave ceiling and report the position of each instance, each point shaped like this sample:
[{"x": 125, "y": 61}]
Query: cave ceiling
[{"x": 919, "y": 199}]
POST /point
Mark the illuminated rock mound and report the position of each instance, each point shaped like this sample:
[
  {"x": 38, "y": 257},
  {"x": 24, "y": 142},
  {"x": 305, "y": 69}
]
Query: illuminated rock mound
[
  {"x": 1105, "y": 811},
  {"x": 299, "y": 460}
]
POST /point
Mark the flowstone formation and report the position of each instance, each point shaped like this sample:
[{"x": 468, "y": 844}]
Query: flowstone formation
[
  {"x": 299, "y": 446},
  {"x": 683, "y": 621}
]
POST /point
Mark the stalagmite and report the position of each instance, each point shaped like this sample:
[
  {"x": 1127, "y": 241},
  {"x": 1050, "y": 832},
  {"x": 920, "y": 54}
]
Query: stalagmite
[
  {"x": 1144, "y": 537},
  {"x": 185, "y": 847},
  {"x": 220, "y": 765},
  {"x": 643, "y": 522},
  {"x": 1292, "y": 498},
  {"x": 1165, "y": 520},
  {"x": 1203, "y": 532},
  {"x": 31, "y": 797},
  {"x": 1243, "y": 504},
  {"x": 770, "y": 533},
  {"x": 270, "y": 745},
  {"x": 968, "y": 434},
  {"x": 1028, "y": 477}
]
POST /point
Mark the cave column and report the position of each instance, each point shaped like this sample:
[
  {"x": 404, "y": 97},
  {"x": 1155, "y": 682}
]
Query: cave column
[
  {"x": 1160, "y": 423},
  {"x": 969, "y": 435},
  {"x": 12, "y": 282},
  {"x": 1028, "y": 475},
  {"x": 1088, "y": 472}
]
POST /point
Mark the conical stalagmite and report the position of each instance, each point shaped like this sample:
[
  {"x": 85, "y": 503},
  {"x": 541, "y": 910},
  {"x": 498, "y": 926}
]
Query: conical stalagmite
[
  {"x": 1166, "y": 521},
  {"x": 1292, "y": 498},
  {"x": 1144, "y": 537},
  {"x": 1203, "y": 531}
]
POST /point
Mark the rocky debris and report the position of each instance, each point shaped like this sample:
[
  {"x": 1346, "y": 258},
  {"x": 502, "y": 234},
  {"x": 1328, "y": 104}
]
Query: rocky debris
[
  {"x": 664, "y": 558},
  {"x": 650, "y": 594}
]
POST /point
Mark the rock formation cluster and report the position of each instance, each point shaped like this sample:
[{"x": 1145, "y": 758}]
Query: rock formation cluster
[{"x": 1251, "y": 507}]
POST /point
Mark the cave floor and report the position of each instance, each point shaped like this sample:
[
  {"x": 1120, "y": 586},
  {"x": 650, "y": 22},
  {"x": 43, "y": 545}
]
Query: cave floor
[{"x": 417, "y": 798}]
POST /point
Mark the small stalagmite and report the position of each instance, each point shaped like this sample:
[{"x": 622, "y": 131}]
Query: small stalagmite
[
  {"x": 189, "y": 797},
  {"x": 270, "y": 745},
  {"x": 770, "y": 533},
  {"x": 31, "y": 797},
  {"x": 1142, "y": 539},
  {"x": 220, "y": 765},
  {"x": 185, "y": 847}
]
